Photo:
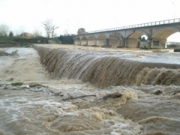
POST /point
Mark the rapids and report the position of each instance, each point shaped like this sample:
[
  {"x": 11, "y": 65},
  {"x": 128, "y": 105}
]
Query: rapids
[
  {"x": 109, "y": 69},
  {"x": 78, "y": 94}
]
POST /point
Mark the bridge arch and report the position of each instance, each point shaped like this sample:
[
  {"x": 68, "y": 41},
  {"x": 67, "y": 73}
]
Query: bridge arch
[
  {"x": 175, "y": 37},
  {"x": 132, "y": 40},
  {"x": 159, "y": 37},
  {"x": 102, "y": 40},
  {"x": 77, "y": 41},
  {"x": 102, "y": 36},
  {"x": 114, "y": 40},
  {"x": 92, "y": 40},
  {"x": 164, "y": 33},
  {"x": 84, "y": 41},
  {"x": 136, "y": 34}
]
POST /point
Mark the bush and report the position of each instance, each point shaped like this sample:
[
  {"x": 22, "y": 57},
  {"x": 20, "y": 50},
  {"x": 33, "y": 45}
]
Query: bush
[{"x": 66, "y": 39}]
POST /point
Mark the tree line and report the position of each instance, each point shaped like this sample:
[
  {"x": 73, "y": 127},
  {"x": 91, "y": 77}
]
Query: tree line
[
  {"x": 49, "y": 28},
  {"x": 5, "y": 32}
]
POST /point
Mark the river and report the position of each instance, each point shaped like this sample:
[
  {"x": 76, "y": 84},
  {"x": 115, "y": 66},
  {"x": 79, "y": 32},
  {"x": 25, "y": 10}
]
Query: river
[{"x": 89, "y": 91}]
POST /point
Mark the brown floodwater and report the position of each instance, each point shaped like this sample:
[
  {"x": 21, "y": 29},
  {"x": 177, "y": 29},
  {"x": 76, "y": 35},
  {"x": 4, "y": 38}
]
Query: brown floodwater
[{"x": 74, "y": 83}]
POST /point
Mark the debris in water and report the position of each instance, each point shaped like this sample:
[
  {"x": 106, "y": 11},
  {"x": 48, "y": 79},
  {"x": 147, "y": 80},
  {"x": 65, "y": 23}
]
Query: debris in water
[
  {"x": 113, "y": 95},
  {"x": 17, "y": 83},
  {"x": 78, "y": 97},
  {"x": 35, "y": 85},
  {"x": 158, "y": 92}
]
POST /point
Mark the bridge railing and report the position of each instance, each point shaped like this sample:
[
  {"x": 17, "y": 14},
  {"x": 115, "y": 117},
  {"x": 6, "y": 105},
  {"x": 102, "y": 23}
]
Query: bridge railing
[{"x": 170, "y": 21}]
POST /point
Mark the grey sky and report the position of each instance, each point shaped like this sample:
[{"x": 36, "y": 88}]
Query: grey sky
[{"x": 70, "y": 15}]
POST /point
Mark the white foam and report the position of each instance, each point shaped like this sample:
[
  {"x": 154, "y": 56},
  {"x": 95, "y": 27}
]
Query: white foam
[{"x": 23, "y": 52}]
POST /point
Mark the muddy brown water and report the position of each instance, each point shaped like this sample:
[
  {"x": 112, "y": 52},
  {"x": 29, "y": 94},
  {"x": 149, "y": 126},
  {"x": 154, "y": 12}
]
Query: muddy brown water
[
  {"x": 106, "y": 69},
  {"x": 79, "y": 79}
]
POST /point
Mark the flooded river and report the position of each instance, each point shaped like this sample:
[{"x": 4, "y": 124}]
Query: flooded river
[{"x": 86, "y": 91}]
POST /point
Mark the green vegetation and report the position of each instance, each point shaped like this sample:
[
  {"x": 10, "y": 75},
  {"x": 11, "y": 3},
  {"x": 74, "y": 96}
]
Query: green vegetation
[
  {"x": 6, "y": 41},
  {"x": 142, "y": 39},
  {"x": 11, "y": 34},
  {"x": 24, "y": 39},
  {"x": 66, "y": 39},
  {"x": 17, "y": 84},
  {"x": 55, "y": 40}
]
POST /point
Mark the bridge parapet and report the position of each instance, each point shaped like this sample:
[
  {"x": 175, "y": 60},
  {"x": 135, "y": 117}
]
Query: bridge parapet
[{"x": 156, "y": 23}]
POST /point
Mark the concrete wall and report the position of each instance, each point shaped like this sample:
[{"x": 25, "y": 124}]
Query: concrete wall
[
  {"x": 91, "y": 42},
  {"x": 77, "y": 42},
  {"x": 158, "y": 43},
  {"x": 100, "y": 42},
  {"x": 114, "y": 43},
  {"x": 132, "y": 43},
  {"x": 84, "y": 42}
]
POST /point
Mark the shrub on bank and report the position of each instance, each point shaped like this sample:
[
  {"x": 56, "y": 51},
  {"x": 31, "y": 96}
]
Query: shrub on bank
[{"x": 6, "y": 41}]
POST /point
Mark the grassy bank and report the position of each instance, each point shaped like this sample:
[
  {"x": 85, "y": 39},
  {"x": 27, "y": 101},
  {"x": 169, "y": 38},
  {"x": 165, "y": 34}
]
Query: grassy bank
[{"x": 6, "y": 41}]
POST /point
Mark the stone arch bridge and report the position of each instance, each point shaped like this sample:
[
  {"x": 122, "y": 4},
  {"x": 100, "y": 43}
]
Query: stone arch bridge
[{"x": 128, "y": 36}]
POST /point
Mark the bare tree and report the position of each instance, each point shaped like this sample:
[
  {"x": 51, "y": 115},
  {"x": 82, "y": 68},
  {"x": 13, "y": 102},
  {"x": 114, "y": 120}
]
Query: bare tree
[
  {"x": 49, "y": 28},
  {"x": 4, "y": 29},
  {"x": 53, "y": 29}
]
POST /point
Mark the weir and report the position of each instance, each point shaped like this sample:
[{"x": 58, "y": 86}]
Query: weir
[
  {"x": 105, "y": 69},
  {"x": 34, "y": 101}
]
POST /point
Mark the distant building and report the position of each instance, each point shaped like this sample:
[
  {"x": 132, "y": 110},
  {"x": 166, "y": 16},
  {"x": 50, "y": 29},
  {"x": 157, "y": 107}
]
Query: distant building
[
  {"x": 81, "y": 31},
  {"x": 26, "y": 35}
]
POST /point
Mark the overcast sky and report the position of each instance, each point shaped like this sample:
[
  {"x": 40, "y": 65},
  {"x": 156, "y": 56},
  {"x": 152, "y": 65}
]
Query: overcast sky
[{"x": 70, "y": 15}]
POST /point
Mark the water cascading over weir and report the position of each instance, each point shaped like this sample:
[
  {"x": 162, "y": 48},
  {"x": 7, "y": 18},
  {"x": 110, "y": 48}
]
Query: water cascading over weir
[{"x": 105, "y": 69}]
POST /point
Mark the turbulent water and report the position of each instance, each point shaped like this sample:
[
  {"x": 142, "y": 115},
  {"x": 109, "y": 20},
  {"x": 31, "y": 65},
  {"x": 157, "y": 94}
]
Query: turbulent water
[
  {"x": 105, "y": 69},
  {"x": 89, "y": 92}
]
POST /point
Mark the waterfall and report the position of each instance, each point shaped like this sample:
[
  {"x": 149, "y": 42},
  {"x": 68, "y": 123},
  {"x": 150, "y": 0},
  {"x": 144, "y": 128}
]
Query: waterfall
[{"x": 105, "y": 69}]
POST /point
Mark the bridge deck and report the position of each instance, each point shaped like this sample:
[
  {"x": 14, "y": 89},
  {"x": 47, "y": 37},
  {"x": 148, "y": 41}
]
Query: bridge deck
[{"x": 156, "y": 23}]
